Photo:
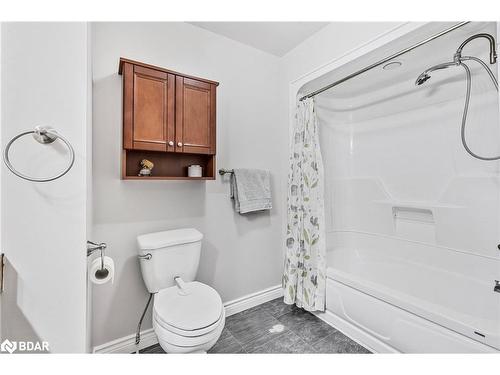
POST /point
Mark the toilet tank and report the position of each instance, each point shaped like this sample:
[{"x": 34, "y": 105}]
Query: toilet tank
[{"x": 173, "y": 253}]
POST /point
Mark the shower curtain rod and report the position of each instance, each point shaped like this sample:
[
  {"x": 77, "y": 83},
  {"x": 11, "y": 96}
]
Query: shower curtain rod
[{"x": 384, "y": 60}]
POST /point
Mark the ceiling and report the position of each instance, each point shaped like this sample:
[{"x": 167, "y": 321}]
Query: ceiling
[{"x": 277, "y": 38}]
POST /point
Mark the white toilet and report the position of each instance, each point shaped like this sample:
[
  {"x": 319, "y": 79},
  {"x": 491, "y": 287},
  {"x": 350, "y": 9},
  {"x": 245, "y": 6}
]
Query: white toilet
[{"x": 188, "y": 316}]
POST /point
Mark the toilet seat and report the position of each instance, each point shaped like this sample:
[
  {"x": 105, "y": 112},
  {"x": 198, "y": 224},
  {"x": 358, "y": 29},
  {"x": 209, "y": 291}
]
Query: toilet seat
[
  {"x": 193, "y": 308},
  {"x": 165, "y": 335},
  {"x": 188, "y": 317},
  {"x": 195, "y": 332}
]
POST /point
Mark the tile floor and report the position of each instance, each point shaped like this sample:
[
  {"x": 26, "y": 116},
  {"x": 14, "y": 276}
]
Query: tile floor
[{"x": 275, "y": 327}]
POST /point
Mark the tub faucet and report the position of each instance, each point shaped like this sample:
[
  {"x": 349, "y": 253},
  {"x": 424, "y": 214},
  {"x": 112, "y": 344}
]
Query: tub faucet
[{"x": 496, "y": 288}]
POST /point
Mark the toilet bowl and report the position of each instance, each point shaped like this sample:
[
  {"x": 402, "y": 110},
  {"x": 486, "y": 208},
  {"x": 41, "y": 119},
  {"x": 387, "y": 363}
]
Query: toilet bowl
[
  {"x": 188, "y": 316},
  {"x": 188, "y": 319}
]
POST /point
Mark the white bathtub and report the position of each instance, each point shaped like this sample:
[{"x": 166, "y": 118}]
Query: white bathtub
[{"x": 408, "y": 296}]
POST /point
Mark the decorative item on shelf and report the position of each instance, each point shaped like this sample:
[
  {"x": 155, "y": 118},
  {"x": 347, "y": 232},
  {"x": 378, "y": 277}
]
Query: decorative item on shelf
[
  {"x": 147, "y": 167},
  {"x": 194, "y": 171}
]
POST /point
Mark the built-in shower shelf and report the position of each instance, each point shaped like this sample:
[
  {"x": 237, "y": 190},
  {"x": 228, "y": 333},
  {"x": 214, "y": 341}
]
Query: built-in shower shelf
[{"x": 418, "y": 205}]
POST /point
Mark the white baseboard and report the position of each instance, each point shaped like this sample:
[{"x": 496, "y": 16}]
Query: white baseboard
[
  {"x": 148, "y": 337},
  {"x": 127, "y": 344},
  {"x": 361, "y": 337},
  {"x": 251, "y": 300}
]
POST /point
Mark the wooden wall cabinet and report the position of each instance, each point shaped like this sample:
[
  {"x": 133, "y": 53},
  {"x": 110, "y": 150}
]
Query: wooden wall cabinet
[{"x": 168, "y": 118}]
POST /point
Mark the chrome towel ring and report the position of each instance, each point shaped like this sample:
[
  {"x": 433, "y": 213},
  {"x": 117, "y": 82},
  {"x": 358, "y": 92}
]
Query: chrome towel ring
[{"x": 43, "y": 135}]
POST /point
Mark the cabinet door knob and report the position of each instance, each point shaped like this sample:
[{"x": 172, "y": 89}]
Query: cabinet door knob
[
  {"x": 179, "y": 144},
  {"x": 170, "y": 143}
]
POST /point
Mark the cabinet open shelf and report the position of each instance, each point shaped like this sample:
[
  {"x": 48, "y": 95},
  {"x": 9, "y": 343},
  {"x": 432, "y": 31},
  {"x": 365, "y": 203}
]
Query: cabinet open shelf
[{"x": 168, "y": 165}]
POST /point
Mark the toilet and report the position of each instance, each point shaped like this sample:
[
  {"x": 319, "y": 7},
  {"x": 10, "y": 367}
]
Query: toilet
[{"x": 188, "y": 316}]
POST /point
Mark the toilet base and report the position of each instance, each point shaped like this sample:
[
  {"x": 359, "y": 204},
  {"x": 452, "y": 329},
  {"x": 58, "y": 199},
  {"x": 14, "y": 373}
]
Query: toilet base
[
  {"x": 165, "y": 339},
  {"x": 174, "y": 349}
]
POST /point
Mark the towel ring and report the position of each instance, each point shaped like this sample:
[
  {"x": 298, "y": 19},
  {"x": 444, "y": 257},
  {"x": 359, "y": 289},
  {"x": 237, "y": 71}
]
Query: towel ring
[{"x": 42, "y": 135}]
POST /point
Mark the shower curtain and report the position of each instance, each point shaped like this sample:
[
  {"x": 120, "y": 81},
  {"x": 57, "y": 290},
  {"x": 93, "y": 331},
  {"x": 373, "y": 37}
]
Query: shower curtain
[{"x": 305, "y": 267}]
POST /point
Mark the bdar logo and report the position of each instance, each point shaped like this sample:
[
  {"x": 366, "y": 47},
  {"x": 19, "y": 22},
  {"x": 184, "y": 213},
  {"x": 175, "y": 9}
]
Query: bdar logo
[{"x": 8, "y": 346}]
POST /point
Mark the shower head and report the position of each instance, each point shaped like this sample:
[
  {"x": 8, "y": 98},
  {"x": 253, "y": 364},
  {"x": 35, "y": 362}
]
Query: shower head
[
  {"x": 457, "y": 58},
  {"x": 422, "y": 78}
]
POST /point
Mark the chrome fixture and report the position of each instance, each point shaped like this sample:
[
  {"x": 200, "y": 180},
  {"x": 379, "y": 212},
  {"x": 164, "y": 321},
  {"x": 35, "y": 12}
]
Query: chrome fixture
[
  {"x": 147, "y": 256},
  {"x": 138, "y": 331},
  {"x": 496, "y": 288},
  {"x": 491, "y": 40},
  {"x": 224, "y": 171},
  {"x": 426, "y": 74},
  {"x": 383, "y": 61},
  {"x": 43, "y": 135},
  {"x": 93, "y": 247},
  {"x": 458, "y": 60},
  {"x": 422, "y": 78}
]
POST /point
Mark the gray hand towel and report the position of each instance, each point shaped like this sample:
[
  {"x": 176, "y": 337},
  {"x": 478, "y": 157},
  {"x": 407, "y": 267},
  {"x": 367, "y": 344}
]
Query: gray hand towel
[{"x": 251, "y": 190}]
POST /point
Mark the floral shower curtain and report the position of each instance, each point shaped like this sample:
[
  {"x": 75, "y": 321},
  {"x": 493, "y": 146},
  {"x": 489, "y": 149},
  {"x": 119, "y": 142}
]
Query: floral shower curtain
[{"x": 304, "y": 271}]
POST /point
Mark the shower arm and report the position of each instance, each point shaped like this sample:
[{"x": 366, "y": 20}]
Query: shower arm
[
  {"x": 439, "y": 67},
  {"x": 491, "y": 40}
]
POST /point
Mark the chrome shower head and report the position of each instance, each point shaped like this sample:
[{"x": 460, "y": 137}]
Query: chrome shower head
[
  {"x": 426, "y": 74},
  {"x": 422, "y": 78}
]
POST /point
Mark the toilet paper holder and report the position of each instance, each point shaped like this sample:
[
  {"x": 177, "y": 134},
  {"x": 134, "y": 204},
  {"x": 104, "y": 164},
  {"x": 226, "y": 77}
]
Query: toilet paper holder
[{"x": 92, "y": 247}]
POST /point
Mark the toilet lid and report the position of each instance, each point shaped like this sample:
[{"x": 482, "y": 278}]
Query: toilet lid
[{"x": 200, "y": 308}]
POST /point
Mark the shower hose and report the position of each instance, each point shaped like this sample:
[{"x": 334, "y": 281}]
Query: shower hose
[{"x": 467, "y": 100}]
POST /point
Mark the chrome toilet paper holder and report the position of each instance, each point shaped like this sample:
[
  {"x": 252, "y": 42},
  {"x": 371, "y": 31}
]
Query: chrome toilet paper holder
[{"x": 92, "y": 247}]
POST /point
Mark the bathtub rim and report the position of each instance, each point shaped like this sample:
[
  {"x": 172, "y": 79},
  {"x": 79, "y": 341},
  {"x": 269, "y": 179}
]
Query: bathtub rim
[
  {"x": 376, "y": 345},
  {"x": 456, "y": 326}
]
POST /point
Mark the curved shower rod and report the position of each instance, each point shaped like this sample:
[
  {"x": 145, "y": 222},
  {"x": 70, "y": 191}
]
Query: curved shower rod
[{"x": 383, "y": 61}]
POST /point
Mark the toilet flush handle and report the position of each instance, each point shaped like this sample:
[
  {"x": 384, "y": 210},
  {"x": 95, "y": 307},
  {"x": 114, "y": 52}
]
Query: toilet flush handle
[{"x": 183, "y": 288}]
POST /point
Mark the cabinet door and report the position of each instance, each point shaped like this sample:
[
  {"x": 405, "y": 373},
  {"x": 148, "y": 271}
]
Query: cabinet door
[
  {"x": 195, "y": 116},
  {"x": 149, "y": 97}
]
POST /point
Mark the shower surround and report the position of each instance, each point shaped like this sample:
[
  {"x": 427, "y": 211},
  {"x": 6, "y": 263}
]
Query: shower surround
[{"x": 412, "y": 219}]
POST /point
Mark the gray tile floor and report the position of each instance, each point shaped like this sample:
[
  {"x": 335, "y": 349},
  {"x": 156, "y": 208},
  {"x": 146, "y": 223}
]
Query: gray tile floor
[{"x": 275, "y": 327}]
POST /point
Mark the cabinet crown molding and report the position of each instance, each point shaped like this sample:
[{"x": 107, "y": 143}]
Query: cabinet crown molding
[{"x": 124, "y": 60}]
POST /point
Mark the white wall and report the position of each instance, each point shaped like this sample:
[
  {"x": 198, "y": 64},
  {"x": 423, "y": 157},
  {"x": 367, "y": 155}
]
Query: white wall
[
  {"x": 1, "y": 335},
  {"x": 89, "y": 216},
  {"x": 330, "y": 43},
  {"x": 44, "y": 81},
  {"x": 240, "y": 254}
]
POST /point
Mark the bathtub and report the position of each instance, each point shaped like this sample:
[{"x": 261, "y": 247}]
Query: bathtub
[{"x": 396, "y": 295}]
